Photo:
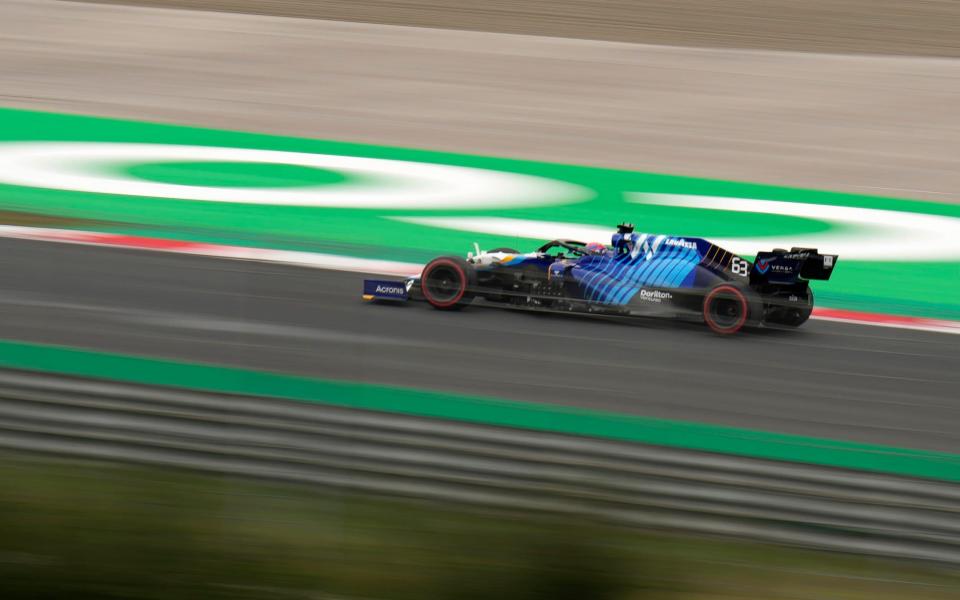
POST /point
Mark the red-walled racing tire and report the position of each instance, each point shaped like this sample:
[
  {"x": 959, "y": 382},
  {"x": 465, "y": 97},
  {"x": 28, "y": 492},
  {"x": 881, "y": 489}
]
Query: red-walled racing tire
[{"x": 446, "y": 282}]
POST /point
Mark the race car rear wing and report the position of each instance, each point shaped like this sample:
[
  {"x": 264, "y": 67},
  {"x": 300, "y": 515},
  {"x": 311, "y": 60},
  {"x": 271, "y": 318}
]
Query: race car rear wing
[{"x": 781, "y": 266}]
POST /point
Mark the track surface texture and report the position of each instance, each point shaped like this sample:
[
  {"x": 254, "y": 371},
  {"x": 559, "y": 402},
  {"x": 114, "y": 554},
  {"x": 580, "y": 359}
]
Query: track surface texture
[
  {"x": 874, "y": 124},
  {"x": 828, "y": 380}
]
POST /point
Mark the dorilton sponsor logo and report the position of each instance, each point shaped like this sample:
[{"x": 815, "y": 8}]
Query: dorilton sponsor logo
[
  {"x": 681, "y": 243},
  {"x": 384, "y": 289},
  {"x": 655, "y": 295}
]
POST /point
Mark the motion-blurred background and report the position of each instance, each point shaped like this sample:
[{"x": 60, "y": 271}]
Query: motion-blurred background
[{"x": 182, "y": 426}]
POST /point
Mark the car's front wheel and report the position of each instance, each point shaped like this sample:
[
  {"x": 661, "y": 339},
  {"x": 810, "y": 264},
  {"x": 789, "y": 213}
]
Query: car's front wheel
[{"x": 447, "y": 283}]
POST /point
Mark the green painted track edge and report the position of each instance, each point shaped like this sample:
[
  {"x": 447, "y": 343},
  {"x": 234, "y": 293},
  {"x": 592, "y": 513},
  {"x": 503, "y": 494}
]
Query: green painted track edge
[{"x": 487, "y": 411}]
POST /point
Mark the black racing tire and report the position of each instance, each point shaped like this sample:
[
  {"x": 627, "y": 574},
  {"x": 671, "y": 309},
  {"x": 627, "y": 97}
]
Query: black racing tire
[
  {"x": 728, "y": 307},
  {"x": 447, "y": 283},
  {"x": 507, "y": 250}
]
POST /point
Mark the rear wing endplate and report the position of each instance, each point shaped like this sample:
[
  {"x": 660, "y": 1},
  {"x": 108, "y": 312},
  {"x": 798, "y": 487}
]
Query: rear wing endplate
[{"x": 781, "y": 266}]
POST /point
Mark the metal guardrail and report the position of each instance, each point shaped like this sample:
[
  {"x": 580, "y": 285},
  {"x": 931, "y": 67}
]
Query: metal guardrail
[{"x": 455, "y": 461}]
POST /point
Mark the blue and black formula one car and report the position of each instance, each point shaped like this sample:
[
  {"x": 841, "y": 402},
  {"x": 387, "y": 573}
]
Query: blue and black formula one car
[{"x": 638, "y": 274}]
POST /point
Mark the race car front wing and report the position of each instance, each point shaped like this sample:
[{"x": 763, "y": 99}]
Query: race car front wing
[{"x": 380, "y": 289}]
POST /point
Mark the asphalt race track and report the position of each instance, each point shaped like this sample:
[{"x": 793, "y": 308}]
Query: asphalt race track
[{"x": 828, "y": 379}]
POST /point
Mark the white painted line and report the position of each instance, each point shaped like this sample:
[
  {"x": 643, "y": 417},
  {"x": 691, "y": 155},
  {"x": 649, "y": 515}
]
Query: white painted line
[
  {"x": 377, "y": 182},
  {"x": 304, "y": 259}
]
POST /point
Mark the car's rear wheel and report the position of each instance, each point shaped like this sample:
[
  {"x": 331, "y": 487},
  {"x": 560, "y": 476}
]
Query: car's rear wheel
[
  {"x": 447, "y": 283},
  {"x": 726, "y": 309},
  {"x": 795, "y": 317}
]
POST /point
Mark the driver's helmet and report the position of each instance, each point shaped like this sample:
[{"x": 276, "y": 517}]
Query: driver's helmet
[
  {"x": 623, "y": 242},
  {"x": 595, "y": 248}
]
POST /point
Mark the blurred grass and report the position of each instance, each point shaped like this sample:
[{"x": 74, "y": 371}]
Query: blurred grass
[{"x": 79, "y": 530}]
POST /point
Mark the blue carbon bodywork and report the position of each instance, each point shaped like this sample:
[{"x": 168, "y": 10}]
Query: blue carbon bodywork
[
  {"x": 514, "y": 260},
  {"x": 655, "y": 261}
]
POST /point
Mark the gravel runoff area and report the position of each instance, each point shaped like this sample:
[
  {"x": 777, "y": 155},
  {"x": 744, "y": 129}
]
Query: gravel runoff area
[
  {"x": 912, "y": 27},
  {"x": 861, "y": 123}
]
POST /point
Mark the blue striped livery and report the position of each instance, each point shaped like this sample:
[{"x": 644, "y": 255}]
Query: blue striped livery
[{"x": 652, "y": 261}]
